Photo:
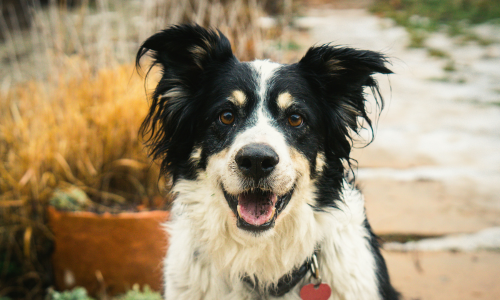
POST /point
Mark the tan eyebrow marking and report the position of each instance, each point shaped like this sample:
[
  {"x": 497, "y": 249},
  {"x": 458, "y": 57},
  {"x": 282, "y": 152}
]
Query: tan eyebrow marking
[
  {"x": 285, "y": 100},
  {"x": 238, "y": 98}
]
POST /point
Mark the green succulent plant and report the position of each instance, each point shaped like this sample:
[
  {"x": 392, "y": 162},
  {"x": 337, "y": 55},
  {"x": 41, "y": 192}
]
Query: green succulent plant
[
  {"x": 70, "y": 198},
  {"x": 78, "y": 293},
  {"x": 136, "y": 294}
]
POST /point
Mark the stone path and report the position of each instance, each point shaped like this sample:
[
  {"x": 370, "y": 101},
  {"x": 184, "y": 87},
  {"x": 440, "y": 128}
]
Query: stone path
[
  {"x": 445, "y": 275},
  {"x": 434, "y": 167}
]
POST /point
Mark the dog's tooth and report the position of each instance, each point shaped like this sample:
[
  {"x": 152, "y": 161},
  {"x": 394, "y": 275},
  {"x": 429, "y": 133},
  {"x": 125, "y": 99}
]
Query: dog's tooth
[
  {"x": 239, "y": 211},
  {"x": 272, "y": 214}
]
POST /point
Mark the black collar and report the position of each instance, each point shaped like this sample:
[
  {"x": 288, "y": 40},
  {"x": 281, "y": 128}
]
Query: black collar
[{"x": 287, "y": 282}]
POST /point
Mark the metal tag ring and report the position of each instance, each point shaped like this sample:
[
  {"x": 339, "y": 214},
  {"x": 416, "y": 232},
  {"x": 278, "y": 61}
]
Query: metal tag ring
[{"x": 315, "y": 268}]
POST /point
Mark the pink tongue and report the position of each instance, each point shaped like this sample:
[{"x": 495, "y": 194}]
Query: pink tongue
[{"x": 256, "y": 208}]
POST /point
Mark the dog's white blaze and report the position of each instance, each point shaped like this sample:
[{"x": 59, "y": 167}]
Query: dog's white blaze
[
  {"x": 262, "y": 132},
  {"x": 265, "y": 70}
]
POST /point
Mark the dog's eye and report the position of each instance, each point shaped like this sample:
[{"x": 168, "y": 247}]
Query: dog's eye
[
  {"x": 227, "y": 117},
  {"x": 295, "y": 120}
]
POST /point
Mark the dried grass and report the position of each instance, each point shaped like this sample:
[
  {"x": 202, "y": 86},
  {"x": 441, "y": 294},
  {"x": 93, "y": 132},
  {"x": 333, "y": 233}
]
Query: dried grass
[
  {"x": 108, "y": 33},
  {"x": 79, "y": 130}
]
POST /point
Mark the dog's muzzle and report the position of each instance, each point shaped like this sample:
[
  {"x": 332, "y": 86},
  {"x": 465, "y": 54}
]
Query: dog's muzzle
[{"x": 258, "y": 206}]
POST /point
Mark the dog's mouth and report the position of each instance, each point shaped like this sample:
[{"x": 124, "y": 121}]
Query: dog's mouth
[{"x": 256, "y": 209}]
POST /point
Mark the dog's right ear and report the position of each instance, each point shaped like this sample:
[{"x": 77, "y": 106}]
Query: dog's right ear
[{"x": 184, "y": 53}]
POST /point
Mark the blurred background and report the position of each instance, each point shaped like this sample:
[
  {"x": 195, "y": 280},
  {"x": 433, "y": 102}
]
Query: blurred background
[{"x": 71, "y": 159}]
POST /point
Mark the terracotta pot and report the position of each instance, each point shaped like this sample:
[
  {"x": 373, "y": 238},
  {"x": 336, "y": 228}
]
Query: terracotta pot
[{"x": 108, "y": 253}]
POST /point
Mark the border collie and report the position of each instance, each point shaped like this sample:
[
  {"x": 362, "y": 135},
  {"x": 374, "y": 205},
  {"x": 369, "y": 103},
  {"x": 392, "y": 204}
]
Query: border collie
[{"x": 258, "y": 154}]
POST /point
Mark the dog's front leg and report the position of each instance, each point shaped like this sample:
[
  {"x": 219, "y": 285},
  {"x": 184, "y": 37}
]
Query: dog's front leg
[{"x": 187, "y": 275}]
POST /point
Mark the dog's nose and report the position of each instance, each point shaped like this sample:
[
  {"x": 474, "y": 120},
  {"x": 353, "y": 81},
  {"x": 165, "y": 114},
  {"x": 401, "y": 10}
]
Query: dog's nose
[{"x": 256, "y": 160}]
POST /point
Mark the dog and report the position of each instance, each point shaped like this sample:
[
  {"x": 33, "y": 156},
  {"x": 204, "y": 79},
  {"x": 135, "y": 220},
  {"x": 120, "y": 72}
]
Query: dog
[{"x": 258, "y": 154}]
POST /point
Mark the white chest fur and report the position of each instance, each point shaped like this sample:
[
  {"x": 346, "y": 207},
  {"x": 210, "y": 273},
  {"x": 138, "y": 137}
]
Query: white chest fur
[{"x": 208, "y": 254}]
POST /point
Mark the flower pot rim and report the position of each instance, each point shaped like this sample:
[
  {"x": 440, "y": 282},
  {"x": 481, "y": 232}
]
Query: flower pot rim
[{"x": 107, "y": 215}]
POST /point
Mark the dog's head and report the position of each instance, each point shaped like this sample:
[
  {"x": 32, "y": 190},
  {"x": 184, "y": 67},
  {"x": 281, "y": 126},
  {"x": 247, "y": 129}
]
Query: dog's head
[{"x": 261, "y": 130}]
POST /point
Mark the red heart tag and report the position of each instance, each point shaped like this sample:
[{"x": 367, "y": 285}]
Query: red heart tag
[{"x": 310, "y": 292}]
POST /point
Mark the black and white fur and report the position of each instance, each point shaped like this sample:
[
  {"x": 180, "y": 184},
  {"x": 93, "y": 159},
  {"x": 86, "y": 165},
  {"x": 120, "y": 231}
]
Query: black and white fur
[{"x": 211, "y": 248}]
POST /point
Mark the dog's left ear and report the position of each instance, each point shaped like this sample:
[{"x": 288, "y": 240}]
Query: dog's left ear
[
  {"x": 341, "y": 74},
  {"x": 338, "y": 76}
]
